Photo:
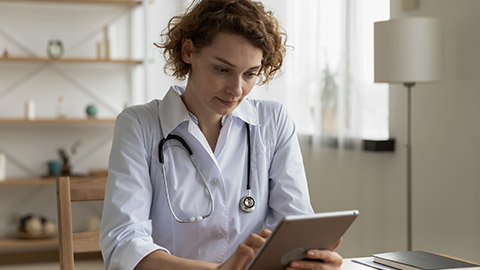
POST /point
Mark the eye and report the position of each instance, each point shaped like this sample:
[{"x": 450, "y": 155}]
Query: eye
[
  {"x": 250, "y": 75},
  {"x": 221, "y": 70}
]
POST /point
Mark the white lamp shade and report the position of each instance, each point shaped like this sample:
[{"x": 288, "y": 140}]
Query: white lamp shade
[{"x": 408, "y": 50}]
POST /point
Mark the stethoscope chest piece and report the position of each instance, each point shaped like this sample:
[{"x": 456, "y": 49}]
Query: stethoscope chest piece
[{"x": 247, "y": 204}]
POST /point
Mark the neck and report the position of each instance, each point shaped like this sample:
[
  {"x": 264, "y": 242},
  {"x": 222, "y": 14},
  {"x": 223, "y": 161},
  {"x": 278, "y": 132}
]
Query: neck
[
  {"x": 209, "y": 123},
  {"x": 211, "y": 131}
]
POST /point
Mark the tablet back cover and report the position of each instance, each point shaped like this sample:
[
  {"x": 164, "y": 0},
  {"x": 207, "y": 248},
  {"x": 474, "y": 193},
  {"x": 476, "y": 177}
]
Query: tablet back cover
[{"x": 296, "y": 234}]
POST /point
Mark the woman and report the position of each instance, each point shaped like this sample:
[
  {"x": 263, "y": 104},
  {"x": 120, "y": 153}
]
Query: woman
[{"x": 163, "y": 209}]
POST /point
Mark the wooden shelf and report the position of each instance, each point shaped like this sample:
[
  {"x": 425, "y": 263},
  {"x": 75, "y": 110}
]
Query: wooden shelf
[
  {"x": 101, "y": 2},
  {"x": 36, "y": 181},
  {"x": 24, "y": 121},
  {"x": 28, "y": 181},
  {"x": 11, "y": 258},
  {"x": 69, "y": 60},
  {"x": 28, "y": 243}
]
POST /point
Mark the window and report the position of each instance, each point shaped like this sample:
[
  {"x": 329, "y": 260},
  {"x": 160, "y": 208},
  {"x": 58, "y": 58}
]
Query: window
[{"x": 327, "y": 81}]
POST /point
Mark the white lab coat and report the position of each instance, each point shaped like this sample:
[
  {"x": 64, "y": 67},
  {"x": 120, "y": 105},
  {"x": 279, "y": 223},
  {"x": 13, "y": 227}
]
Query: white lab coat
[{"x": 136, "y": 219}]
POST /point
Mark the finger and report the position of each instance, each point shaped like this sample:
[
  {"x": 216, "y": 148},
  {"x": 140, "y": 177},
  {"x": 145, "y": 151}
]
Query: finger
[
  {"x": 318, "y": 259},
  {"x": 265, "y": 233},
  {"x": 244, "y": 255},
  {"x": 239, "y": 259},
  {"x": 310, "y": 265},
  {"x": 246, "y": 251},
  {"x": 254, "y": 241},
  {"x": 330, "y": 257},
  {"x": 337, "y": 244},
  {"x": 313, "y": 265}
]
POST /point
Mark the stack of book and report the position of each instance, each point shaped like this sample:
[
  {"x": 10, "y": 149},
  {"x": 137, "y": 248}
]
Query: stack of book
[{"x": 414, "y": 260}]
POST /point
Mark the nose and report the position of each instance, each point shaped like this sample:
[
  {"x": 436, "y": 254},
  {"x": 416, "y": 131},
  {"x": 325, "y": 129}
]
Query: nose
[{"x": 235, "y": 86}]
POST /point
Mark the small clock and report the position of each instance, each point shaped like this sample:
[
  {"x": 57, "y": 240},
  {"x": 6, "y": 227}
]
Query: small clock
[{"x": 55, "y": 48}]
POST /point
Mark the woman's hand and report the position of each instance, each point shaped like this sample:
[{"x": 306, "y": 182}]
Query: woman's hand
[
  {"x": 245, "y": 252},
  {"x": 320, "y": 259}
]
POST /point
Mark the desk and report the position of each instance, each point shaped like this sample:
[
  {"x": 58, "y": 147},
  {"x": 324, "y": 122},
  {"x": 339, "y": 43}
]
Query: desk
[{"x": 348, "y": 264}]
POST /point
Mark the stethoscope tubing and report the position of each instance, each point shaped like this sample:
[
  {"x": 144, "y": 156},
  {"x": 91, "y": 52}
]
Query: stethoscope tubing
[
  {"x": 195, "y": 164},
  {"x": 247, "y": 203}
]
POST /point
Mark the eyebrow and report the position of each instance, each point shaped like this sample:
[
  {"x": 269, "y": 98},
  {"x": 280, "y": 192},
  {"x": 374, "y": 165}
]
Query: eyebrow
[{"x": 232, "y": 65}]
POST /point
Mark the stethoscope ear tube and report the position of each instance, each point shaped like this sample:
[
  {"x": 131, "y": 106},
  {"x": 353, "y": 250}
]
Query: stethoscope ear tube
[{"x": 175, "y": 137}]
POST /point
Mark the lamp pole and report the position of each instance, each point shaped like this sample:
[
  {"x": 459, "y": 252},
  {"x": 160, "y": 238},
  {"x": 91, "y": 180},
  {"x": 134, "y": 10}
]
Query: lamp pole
[
  {"x": 417, "y": 42},
  {"x": 409, "y": 86}
]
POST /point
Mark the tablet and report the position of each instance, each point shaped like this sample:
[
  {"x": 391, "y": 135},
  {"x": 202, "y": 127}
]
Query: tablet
[{"x": 294, "y": 235}]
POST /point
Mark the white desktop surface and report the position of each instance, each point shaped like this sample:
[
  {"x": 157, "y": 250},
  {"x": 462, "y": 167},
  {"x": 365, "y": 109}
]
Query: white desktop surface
[{"x": 348, "y": 264}]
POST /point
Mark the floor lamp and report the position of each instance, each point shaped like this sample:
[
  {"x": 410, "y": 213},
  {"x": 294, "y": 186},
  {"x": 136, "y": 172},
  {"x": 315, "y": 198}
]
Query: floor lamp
[{"x": 408, "y": 51}]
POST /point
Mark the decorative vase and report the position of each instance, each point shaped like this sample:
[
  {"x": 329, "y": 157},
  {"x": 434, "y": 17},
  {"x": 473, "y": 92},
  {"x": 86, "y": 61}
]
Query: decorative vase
[{"x": 91, "y": 111}]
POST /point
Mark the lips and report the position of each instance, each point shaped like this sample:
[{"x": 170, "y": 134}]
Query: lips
[{"x": 227, "y": 102}]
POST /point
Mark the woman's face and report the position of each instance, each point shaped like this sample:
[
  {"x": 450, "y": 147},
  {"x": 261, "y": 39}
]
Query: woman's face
[{"x": 221, "y": 74}]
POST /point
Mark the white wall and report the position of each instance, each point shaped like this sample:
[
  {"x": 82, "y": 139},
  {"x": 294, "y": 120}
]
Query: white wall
[{"x": 159, "y": 13}]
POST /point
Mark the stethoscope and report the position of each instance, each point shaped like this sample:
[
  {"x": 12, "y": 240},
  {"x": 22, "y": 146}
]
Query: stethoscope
[{"x": 247, "y": 203}]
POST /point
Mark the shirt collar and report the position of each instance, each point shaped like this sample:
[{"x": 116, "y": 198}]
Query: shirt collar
[
  {"x": 195, "y": 119},
  {"x": 172, "y": 111},
  {"x": 246, "y": 112}
]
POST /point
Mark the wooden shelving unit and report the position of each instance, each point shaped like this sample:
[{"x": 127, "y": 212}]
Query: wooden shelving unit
[
  {"x": 69, "y": 60},
  {"x": 12, "y": 248}
]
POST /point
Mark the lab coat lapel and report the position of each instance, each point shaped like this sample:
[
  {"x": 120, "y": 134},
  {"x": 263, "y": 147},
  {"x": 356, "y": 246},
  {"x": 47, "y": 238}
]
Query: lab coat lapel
[{"x": 172, "y": 111}]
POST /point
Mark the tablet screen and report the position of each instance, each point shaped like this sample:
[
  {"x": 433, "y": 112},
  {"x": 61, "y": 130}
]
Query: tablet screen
[{"x": 294, "y": 235}]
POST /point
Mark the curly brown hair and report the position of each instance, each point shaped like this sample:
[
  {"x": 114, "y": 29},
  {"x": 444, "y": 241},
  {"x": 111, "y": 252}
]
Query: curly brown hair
[{"x": 205, "y": 18}]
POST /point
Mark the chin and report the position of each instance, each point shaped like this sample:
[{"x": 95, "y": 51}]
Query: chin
[{"x": 225, "y": 111}]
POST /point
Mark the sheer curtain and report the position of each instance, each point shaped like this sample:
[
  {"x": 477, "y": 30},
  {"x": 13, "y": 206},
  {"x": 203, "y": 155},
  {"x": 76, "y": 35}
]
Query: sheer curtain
[{"x": 327, "y": 80}]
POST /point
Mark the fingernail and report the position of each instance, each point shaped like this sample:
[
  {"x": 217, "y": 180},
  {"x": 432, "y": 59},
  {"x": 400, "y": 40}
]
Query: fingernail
[
  {"x": 311, "y": 253},
  {"x": 295, "y": 264}
]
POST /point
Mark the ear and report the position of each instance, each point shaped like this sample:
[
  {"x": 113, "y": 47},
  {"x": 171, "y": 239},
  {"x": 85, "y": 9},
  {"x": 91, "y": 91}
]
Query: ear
[{"x": 187, "y": 50}]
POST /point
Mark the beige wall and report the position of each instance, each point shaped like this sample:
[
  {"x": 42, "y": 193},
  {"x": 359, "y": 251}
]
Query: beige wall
[
  {"x": 446, "y": 155},
  {"x": 446, "y": 150}
]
